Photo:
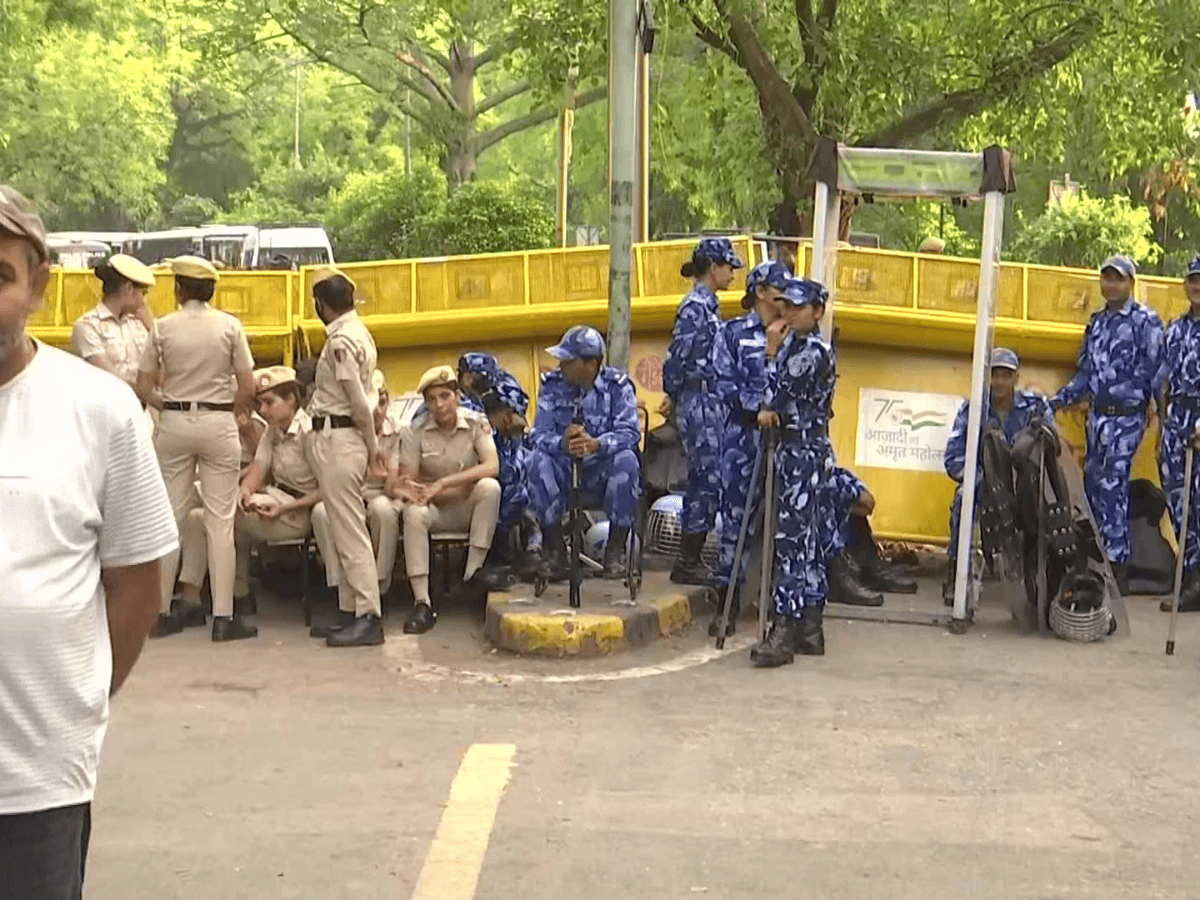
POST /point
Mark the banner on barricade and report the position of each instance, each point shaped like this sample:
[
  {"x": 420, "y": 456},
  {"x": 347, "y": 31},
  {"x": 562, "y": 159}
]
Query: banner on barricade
[{"x": 903, "y": 429}]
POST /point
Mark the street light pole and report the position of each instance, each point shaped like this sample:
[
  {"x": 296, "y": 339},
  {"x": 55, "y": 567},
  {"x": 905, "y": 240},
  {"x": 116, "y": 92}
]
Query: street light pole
[{"x": 622, "y": 168}]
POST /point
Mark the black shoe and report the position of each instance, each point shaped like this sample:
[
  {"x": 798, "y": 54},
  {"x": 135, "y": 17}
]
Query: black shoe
[
  {"x": 880, "y": 575},
  {"x": 714, "y": 627},
  {"x": 496, "y": 578},
  {"x": 343, "y": 619},
  {"x": 948, "y": 586},
  {"x": 420, "y": 620},
  {"x": 191, "y": 616},
  {"x": 166, "y": 624},
  {"x": 777, "y": 649},
  {"x": 689, "y": 568},
  {"x": 364, "y": 631},
  {"x": 844, "y": 585},
  {"x": 231, "y": 628},
  {"x": 246, "y": 606},
  {"x": 614, "y": 554},
  {"x": 810, "y": 636}
]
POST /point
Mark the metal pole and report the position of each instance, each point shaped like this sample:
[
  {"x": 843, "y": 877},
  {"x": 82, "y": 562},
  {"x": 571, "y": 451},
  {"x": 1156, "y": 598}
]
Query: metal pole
[
  {"x": 643, "y": 219},
  {"x": 1181, "y": 546},
  {"x": 989, "y": 270},
  {"x": 566, "y": 124},
  {"x": 297, "y": 122},
  {"x": 827, "y": 212},
  {"x": 622, "y": 165}
]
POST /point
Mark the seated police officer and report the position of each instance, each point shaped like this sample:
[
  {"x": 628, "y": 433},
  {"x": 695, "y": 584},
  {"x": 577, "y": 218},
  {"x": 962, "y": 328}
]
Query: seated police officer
[
  {"x": 586, "y": 411},
  {"x": 1009, "y": 409}
]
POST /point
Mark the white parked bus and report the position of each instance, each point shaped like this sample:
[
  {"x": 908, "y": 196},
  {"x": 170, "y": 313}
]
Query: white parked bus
[{"x": 236, "y": 246}]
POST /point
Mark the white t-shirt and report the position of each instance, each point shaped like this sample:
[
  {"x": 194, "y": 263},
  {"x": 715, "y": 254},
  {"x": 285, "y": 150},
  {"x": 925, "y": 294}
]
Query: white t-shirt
[{"x": 80, "y": 489}]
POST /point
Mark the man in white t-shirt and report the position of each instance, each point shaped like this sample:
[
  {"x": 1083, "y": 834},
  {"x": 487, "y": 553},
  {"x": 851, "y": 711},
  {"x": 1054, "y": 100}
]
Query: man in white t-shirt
[{"x": 84, "y": 520}]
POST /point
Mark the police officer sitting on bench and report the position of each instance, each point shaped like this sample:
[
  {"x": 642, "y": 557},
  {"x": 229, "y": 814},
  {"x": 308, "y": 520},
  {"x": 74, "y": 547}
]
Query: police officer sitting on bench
[{"x": 605, "y": 444}]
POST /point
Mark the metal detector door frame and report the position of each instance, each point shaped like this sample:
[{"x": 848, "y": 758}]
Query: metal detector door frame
[{"x": 906, "y": 175}]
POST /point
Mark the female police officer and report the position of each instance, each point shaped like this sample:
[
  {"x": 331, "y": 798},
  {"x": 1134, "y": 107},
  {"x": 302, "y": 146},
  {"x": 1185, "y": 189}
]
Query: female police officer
[
  {"x": 200, "y": 351},
  {"x": 687, "y": 382},
  {"x": 797, "y": 400}
]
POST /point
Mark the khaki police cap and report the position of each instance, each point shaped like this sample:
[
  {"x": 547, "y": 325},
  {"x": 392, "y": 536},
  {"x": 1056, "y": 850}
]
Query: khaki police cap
[
  {"x": 326, "y": 272},
  {"x": 194, "y": 267},
  {"x": 438, "y": 376},
  {"x": 133, "y": 269},
  {"x": 272, "y": 377},
  {"x": 378, "y": 382},
  {"x": 932, "y": 245},
  {"x": 18, "y": 217}
]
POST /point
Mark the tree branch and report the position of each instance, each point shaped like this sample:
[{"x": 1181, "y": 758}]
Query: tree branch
[
  {"x": 1005, "y": 76},
  {"x": 828, "y": 15},
  {"x": 537, "y": 117},
  {"x": 503, "y": 96},
  {"x": 494, "y": 52},
  {"x": 772, "y": 89},
  {"x": 413, "y": 63},
  {"x": 711, "y": 37},
  {"x": 808, "y": 31}
]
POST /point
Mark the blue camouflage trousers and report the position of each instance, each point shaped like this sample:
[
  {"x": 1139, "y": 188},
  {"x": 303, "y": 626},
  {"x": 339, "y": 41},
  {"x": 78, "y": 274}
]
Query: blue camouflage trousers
[
  {"x": 843, "y": 489},
  {"x": 614, "y": 482},
  {"x": 1111, "y": 443},
  {"x": 739, "y": 446},
  {"x": 801, "y": 538},
  {"x": 514, "y": 489},
  {"x": 700, "y": 428},
  {"x": 1171, "y": 464}
]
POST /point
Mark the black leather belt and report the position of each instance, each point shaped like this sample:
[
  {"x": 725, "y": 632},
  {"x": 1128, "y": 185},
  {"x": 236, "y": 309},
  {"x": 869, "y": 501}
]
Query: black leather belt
[
  {"x": 796, "y": 436},
  {"x": 695, "y": 384},
  {"x": 290, "y": 491},
  {"x": 318, "y": 422},
  {"x": 1116, "y": 409},
  {"x": 746, "y": 418},
  {"x": 201, "y": 405},
  {"x": 1187, "y": 401}
]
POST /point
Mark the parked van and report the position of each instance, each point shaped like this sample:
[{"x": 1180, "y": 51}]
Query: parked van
[{"x": 287, "y": 248}]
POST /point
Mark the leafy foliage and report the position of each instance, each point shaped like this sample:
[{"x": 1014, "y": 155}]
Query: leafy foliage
[
  {"x": 493, "y": 217},
  {"x": 1083, "y": 231},
  {"x": 387, "y": 214}
]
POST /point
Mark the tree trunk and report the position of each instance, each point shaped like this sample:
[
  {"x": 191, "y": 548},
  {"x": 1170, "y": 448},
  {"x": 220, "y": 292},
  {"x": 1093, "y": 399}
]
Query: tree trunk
[{"x": 458, "y": 162}]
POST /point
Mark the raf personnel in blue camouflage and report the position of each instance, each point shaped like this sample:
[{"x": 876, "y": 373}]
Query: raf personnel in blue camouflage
[
  {"x": 491, "y": 390},
  {"x": 1181, "y": 387},
  {"x": 1119, "y": 371},
  {"x": 740, "y": 380},
  {"x": 688, "y": 385},
  {"x": 588, "y": 411},
  {"x": 1010, "y": 410},
  {"x": 801, "y": 373}
]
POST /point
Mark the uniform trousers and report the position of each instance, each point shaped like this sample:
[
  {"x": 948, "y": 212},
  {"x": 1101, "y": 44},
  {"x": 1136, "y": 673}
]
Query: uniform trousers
[
  {"x": 203, "y": 442},
  {"x": 700, "y": 427},
  {"x": 1176, "y": 432},
  {"x": 1112, "y": 442},
  {"x": 339, "y": 456},
  {"x": 383, "y": 521},
  {"x": 801, "y": 544},
  {"x": 476, "y": 514}
]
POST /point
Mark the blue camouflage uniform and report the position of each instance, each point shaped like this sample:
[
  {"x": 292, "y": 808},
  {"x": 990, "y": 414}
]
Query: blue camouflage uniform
[
  {"x": 740, "y": 373},
  {"x": 800, "y": 382},
  {"x": 688, "y": 382},
  {"x": 843, "y": 490},
  {"x": 1027, "y": 408},
  {"x": 513, "y": 451},
  {"x": 1119, "y": 370},
  {"x": 1181, "y": 373},
  {"x": 609, "y": 408}
]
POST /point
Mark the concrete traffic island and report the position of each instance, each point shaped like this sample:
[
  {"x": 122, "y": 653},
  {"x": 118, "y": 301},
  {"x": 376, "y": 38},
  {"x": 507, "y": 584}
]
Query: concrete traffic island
[{"x": 605, "y": 622}]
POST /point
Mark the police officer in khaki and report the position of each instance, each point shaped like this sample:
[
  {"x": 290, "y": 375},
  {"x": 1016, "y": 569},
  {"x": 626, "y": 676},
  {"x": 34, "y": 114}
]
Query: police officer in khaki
[
  {"x": 383, "y": 512},
  {"x": 448, "y": 474},
  {"x": 200, "y": 351},
  {"x": 343, "y": 446}
]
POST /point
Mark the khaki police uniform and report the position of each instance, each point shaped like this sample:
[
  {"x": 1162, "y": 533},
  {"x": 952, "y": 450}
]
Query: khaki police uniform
[
  {"x": 198, "y": 349},
  {"x": 383, "y": 512},
  {"x": 433, "y": 454},
  {"x": 340, "y": 457}
]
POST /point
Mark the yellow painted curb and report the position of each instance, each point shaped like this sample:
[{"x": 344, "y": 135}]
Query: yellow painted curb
[
  {"x": 674, "y": 613},
  {"x": 563, "y": 635}
]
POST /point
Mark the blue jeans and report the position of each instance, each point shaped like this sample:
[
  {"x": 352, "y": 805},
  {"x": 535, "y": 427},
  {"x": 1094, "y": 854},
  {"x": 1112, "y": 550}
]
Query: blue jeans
[{"x": 43, "y": 854}]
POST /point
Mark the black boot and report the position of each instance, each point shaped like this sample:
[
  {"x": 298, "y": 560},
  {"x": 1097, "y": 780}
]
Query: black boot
[
  {"x": 344, "y": 618},
  {"x": 948, "y": 585},
  {"x": 1189, "y": 595},
  {"x": 191, "y": 616},
  {"x": 246, "y": 606},
  {"x": 553, "y": 565},
  {"x": 497, "y": 578},
  {"x": 167, "y": 624},
  {"x": 844, "y": 585},
  {"x": 364, "y": 631},
  {"x": 614, "y": 554},
  {"x": 810, "y": 637},
  {"x": 421, "y": 619},
  {"x": 880, "y": 575},
  {"x": 689, "y": 568},
  {"x": 714, "y": 627},
  {"x": 231, "y": 628},
  {"x": 778, "y": 648}
]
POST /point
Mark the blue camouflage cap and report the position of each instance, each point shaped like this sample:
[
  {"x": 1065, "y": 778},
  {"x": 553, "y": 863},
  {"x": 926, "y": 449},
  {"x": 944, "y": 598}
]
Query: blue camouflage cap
[
  {"x": 579, "y": 342},
  {"x": 478, "y": 364},
  {"x": 804, "y": 292},
  {"x": 772, "y": 273},
  {"x": 1003, "y": 358},
  {"x": 1193, "y": 267},
  {"x": 1122, "y": 264},
  {"x": 719, "y": 250}
]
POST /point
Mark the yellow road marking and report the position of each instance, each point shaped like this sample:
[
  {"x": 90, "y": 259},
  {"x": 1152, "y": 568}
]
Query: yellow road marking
[{"x": 451, "y": 870}]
